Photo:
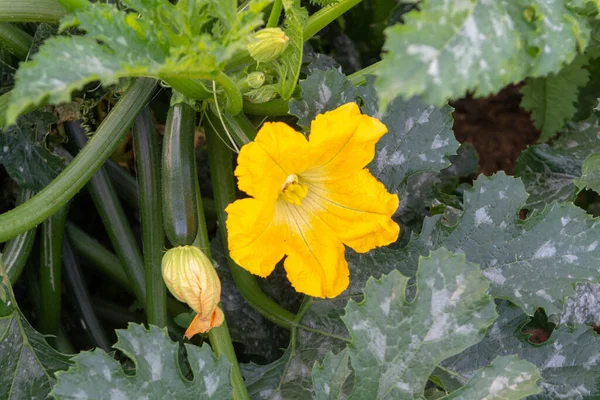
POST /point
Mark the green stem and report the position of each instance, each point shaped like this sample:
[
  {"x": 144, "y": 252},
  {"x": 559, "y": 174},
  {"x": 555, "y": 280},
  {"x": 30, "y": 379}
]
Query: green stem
[
  {"x": 108, "y": 264},
  {"x": 360, "y": 77},
  {"x": 275, "y": 14},
  {"x": 82, "y": 296},
  {"x": 17, "y": 251},
  {"x": 273, "y": 108},
  {"x": 15, "y": 40},
  {"x": 114, "y": 219},
  {"x": 234, "y": 96},
  {"x": 327, "y": 15},
  {"x": 220, "y": 339},
  {"x": 82, "y": 168},
  {"x": 31, "y": 11},
  {"x": 73, "y": 5},
  {"x": 221, "y": 170},
  {"x": 148, "y": 171},
  {"x": 125, "y": 184},
  {"x": 52, "y": 235}
]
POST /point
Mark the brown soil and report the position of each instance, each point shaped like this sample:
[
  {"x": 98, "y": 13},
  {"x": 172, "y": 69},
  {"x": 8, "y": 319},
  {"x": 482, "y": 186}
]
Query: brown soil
[{"x": 497, "y": 127}]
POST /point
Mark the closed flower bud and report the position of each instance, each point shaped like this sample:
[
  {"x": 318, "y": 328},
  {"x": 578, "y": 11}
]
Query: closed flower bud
[
  {"x": 253, "y": 80},
  {"x": 192, "y": 279},
  {"x": 268, "y": 44}
]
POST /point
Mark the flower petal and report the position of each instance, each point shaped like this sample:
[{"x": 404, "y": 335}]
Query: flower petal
[
  {"x": 256, "y": 235},
  {"x": 343, "y": 140},
  {"x": 315, "y": 264},
  {"x": 202, "y": 325},
  {"x": 265, "y": 163},
  {"x": 357, "y": 208}
]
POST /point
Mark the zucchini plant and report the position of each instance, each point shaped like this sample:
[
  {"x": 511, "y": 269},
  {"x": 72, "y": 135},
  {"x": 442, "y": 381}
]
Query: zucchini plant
[{"x": 267, "y": 199}]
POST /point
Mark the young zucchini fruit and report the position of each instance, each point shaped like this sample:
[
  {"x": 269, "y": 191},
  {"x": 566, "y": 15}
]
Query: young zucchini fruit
[{"x": 178, "y": 176}]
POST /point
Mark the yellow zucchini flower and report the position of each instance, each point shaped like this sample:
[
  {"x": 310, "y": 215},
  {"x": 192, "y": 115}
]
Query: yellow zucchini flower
[{"x": 309, "y": 199}]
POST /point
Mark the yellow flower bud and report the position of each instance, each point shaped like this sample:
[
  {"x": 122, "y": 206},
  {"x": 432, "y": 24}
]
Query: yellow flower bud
[
  {"x": 268, "y": 44},
  {"x": 192, "y": 279}
]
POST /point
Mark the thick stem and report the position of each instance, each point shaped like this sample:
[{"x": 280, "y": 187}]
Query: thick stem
[
  {"x": 31, "y": 11},
  {"x": 15, "y": 40},
  {"x": 125, "y": 184},
  {"x": 17, "y": 251},
  {"x": 220, "y": 339},
  {"x": 82, "y": 168},
  {"x": 148, "y": 172},
  {"x": 73, "y": 5},
  {"x": 360, "y": 77},
  {"x": 221, "y": 171},
  {"x": 114, "y": 219},
  {"x": 275, "y": 14},
  {"x": 82, "y": 296},
  {"x": 327, "y": 15},
  {"x": 52, "y": 235},
  {"x": 273, "y": 108}
]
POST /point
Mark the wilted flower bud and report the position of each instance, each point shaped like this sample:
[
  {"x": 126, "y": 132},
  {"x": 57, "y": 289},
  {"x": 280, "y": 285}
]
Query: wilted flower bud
[
  {"x": 268, "y": 44},
  {"x": 192, "y": 279},
  {"x": 253, "y": 80}
]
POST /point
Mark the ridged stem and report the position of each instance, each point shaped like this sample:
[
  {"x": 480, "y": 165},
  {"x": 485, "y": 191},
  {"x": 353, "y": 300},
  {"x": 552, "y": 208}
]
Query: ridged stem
[
  {"x": 125, "y": 184},
  {"x": 17, "y": 250},
  {"x": 31, "y": 11},
  {"x": 15, "y": 40},
  {"x": 82, "y": 168},
  {"x": 221, "y": 170},
  {"x": 114, "y": 219},
  {"x": 148, "y": 172},
  {"x": 52, "y": 237}
]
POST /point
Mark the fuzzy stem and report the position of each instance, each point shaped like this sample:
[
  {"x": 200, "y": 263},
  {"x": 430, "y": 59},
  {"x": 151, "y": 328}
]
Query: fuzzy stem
[
  {"x": 221, "y": 170},
  {"x": 31, "y": 11},
  {"x": 148, "y": 170},
  {"x": 82, "y": 168}
]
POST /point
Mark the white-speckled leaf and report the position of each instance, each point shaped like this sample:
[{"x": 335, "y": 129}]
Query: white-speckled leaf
[
  {"x": 329, "y": 377},
  {"x": 548, "y": 170},
  {"x": 396, "y": 344},
  {"x": 98, "y": 376},
  {"x": 534, "y": 263},
  {"x": 27, "y": 361},
  {"x": 583, "y": 307},
  {"x": 448, "y": 48},
  {"x": 506, "y": 378},
  {"x": 569, "y": 361}
]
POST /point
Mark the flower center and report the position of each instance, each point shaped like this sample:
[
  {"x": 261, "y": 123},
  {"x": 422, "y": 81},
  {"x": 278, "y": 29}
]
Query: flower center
[{"x": 293, "y": 191}]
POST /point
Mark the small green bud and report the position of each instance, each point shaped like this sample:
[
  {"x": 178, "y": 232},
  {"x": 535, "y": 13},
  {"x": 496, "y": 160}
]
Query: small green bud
[
  {"x": 268, "y": 44},
  {"x": 253, "y": 80}
]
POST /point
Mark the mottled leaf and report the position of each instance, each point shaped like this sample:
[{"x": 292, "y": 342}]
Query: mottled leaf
[
  {"x": 24, "y": 154},
  {"x": 157, "y": 375},
  {"x": 569, "y": 361},
  {"x": 590, "y": 174},
  {"x": 583, "y": 307},
  {"x": 27, "y": 362},
  {"x": 548, "y": 170},
  {"x": 396, "y": 345},
  {"x": 561, "y": 240},
  {"x": 449, "y": 48},
  {"x": 506, "y": 378},
  {"x": 329, "y": 377},
  {"x": 551, "y": 99}
]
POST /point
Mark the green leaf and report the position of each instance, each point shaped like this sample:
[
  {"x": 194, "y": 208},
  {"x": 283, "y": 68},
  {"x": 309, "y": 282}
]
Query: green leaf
[
  {"x": 506, "y": 378},
  {"x": 548, "y": 170},
  {"x": 396, "y": 344},
  {"x": 28, "y": 363},
  {"x": 569, "y": 361},
  {"x": 449, "y": 48},
  {"x": 165, "y": 42},
  {"x": 97, "y": 375},
  {"x": 584, "y": 307},
  {"x": 329, "y": 378},
  {"x": 24, "y": 154},
  {"x": 561, "y": 240},
  {"x": 551, "y": 99},
  {"x": 590, "y": 174}
]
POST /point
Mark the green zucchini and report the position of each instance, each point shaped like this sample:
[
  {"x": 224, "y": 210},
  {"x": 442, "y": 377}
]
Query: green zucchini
[{"x": 178, "y": 176}]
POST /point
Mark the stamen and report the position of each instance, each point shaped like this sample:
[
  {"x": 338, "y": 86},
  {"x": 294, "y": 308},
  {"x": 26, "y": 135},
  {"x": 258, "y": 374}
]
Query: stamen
[{"x": 293, "y": 191}]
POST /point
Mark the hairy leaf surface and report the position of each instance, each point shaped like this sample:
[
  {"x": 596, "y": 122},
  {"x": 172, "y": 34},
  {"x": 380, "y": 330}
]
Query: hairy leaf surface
[{"x": 96, "y": 375}]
